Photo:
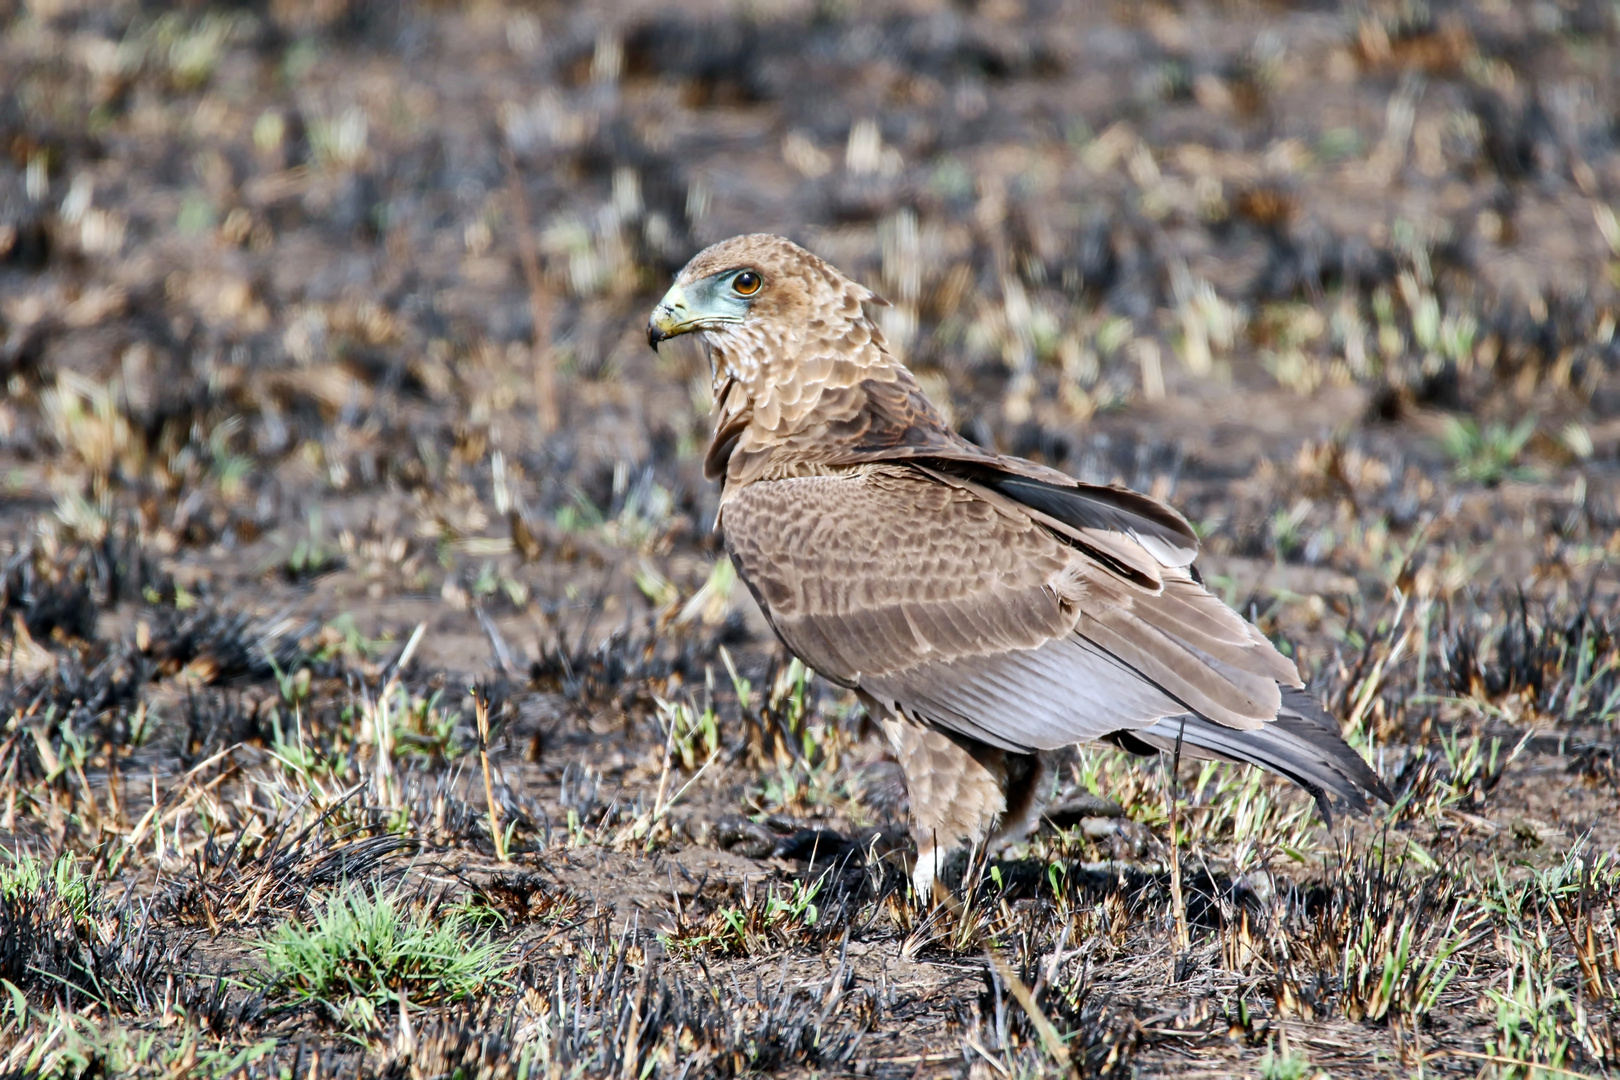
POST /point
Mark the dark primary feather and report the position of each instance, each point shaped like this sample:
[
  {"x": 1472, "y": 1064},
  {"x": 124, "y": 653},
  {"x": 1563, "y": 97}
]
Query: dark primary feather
[
  {"x": 895, "y": 422},
  {"x": 1088, "y": 506},
  {"x": 1303, "y": 744}
]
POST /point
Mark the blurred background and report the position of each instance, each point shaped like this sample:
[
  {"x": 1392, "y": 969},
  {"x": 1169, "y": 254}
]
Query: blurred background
[{"x": 354, "y": 290}]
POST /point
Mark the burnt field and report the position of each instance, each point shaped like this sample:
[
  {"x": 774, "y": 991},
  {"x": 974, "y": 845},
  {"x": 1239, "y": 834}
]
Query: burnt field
[{"x": 378, "y": 700}]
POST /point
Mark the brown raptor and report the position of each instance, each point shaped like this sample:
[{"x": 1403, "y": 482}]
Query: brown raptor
[{"x": 986, "y": 608}]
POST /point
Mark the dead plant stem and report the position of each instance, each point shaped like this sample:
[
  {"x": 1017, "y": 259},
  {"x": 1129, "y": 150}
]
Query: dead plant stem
[
  {"x": 1172, "y": 795},
  {"x": 545, "y": 366},
  {"x": 481, "y": 711}
]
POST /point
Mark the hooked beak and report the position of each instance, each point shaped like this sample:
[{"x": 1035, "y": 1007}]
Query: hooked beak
[{"x": 671, "y": 318}]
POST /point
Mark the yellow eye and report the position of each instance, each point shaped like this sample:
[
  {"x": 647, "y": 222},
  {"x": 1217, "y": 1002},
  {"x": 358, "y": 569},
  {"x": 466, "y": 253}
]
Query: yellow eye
[{"x": 746, "y": 283}]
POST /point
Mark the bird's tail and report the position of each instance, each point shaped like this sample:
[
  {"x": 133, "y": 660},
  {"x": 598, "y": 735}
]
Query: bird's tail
[{"x": 1303, "y": 744}]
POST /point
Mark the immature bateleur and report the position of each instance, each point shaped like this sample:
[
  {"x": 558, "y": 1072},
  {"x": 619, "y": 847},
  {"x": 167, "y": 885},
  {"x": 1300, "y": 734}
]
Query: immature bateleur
[{"x": 986, "y": 608}]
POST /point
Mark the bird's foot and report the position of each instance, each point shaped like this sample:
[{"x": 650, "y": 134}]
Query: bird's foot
[
  {"x": 925, "y": 882},
  {"x": 930, "y": 876}
]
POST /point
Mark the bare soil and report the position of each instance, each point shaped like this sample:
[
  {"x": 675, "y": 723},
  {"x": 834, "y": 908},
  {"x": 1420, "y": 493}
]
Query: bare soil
[{"x": 328, "y": 415}]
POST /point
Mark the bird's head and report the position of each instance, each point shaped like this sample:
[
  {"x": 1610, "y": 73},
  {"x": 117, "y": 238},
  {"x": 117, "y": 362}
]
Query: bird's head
[{"x": 759, "y": 300}]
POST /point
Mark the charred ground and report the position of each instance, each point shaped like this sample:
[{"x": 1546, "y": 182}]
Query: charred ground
[{"x": 332, "y": 453}]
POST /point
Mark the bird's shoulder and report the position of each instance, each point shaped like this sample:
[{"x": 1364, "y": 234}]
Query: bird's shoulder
[
  {"x": 805, "y": 492},
  {"x": 886, "y": 530}
]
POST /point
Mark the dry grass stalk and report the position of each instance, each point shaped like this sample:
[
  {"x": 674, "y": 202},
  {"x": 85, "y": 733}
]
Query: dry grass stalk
[
  {"x": 1050, "y": 1039},
  {"x": 481, "y": 711},
  {"x": 382, "y": 723},
  {"x": 545, "y": 362},
  {"x": 1173, "y": 807}
]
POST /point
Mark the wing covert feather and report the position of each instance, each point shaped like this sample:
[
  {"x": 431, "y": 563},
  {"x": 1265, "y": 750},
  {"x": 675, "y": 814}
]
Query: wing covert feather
[
  {"x": 877, "y": 570},
  {"x": 955, "y": 605}
]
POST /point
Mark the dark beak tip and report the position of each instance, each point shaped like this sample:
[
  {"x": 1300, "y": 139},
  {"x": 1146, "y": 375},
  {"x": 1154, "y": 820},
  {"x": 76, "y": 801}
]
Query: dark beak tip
[{"x": 654, "y": 336}]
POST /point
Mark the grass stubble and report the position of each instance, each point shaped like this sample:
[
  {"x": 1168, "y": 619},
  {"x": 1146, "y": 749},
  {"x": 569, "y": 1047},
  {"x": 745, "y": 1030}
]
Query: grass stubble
[
  {"x": 356, "y": 720},
  {"x": 288, "y": 903}
]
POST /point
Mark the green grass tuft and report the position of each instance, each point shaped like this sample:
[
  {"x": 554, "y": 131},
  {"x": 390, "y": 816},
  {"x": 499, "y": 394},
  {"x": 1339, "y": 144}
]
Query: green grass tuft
[
  {"x": 362, "y": 952},
  {"x": 1489, "y": 454},
  {"x": 1287, "y": 1065},
  {"x": 25, "y": 877}
]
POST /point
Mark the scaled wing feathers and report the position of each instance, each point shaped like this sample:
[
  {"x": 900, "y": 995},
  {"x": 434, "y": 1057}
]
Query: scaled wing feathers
[{"x": 940, "y": 600}]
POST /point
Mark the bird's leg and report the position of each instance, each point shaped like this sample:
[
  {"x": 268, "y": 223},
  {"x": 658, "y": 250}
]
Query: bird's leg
[
  {"x": 959, "y": 792},
  {"x": 1028, "y": 788},
  {"x": 925, "y": 873}
]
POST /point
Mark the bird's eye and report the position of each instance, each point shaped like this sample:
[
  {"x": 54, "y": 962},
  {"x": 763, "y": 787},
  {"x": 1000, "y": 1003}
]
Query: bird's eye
[{"x": 746, "y": 283}]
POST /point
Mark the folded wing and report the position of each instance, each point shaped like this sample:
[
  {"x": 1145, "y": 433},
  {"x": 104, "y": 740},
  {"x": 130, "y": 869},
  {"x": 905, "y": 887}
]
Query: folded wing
[
  {"x": 1025, "y": 615},
  {"x": 1303, "y": 745}
]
